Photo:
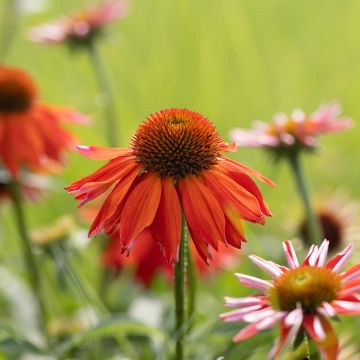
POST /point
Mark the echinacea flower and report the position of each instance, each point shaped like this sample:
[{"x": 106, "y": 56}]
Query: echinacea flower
[
  {"x": 32, "y": 186},
  {"x": 293, "y": 132},
  {"x": 82, "y": 27},
  {"x": 299, "y": 297},
  {"x": 147, "y": 261},
  {"x": 173, "y": 164},
  {"x": 31, "y": 134},
  {"x": 339, "y": 221}
]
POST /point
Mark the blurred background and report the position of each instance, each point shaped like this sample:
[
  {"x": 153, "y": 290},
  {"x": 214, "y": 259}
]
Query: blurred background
[{"x": 233, "y": 61}]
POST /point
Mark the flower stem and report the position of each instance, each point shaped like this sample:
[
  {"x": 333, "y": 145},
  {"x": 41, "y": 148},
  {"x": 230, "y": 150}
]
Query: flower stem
[
  {"x": 111, "y": 124},
  {"x": 29, "y": 258},
  {"x": 191, "y": 286},
  {"x": 181, "y": 293},
  {"x": 313, "y": 226}
]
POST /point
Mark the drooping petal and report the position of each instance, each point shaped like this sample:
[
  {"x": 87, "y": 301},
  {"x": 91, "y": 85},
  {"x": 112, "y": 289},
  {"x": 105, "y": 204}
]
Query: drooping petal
[
  {"x": 238, "y": 314},
  {"x": 246, "y": 182},
  {"x": 233, "y": 197},
  {"x": 246, "y": 301},
  {"x": 202, "y": 211},
  {"x": 113, "y": 203},
  {"x": 234, "y": 231},
  {"x": 322, "y": 333},
  {"x": 166, "y": 227},
  {"x": 140, "y": 208},
  {"x": 102, "y": 153},
  {"x": 346, "y": 307},
  {"x": 289, "y": 327},
  {"x": 352, "y": 273}
]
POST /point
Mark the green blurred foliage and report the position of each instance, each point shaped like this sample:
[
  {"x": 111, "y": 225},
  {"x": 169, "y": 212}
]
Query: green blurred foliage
[{"x": 234, "y": 61}]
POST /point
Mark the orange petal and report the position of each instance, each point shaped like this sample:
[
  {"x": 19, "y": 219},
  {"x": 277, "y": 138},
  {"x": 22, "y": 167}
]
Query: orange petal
[
  {"x": 166, "y": 227},
  {"x": 233, "y": 197},
  {"x": 102, "y": 153},
  {"x": 248, "y": 171},
  {"x": 113, "y": 203},
  {"x": 140, "y": 208},
  {"x": 203, "y": 212}
]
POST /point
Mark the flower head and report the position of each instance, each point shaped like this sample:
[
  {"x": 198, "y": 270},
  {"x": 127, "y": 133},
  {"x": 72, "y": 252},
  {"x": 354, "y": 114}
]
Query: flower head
[
  {"x": 147, "y": 261},
  {"x": 32, "y": 186},
  {"x": 339, "y": 220},
  {"x": 294, "y": 132},
  {"x": 300, "y": 296},
  {"x": 82, "y": 27},
  {"x": 174, "y": 164},
  {"x": 30, "y": 131}
]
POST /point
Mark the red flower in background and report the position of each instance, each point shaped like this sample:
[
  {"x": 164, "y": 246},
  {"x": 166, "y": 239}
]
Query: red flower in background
[
  {"x": 81, "y": 27},
  {"x": 147, "y": 261},
  {"x": 174, "y": 163},
  {"x": 31, "y": 133},
  {"x": 297, "y": 130}
]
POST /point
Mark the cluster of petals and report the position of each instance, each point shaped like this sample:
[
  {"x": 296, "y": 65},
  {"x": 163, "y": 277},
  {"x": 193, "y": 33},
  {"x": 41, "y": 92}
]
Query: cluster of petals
[
  {"x": 298, "y": 129},
  {"x": 146, "y": 260},
  {"x": 258, "y": 311},
  {"x": 142, "y": 203},
  {"x": 80, "y": 25},
  {"x": 33, "y": 135}
]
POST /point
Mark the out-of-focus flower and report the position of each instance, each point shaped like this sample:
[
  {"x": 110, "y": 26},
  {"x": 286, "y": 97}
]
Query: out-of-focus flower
[
  {"x": 293, "y": 132},
  {"x": 339, "y": 220},
  {"x": 174, "y": 162},
  {"x": 64, "y": 327},
  {"x": 32, "y": 186},
  {"x": 57, "y": 231},
  {"x": 31, "y": 134},
  {"x": 147, "y": 260},
  {"x": 82, "y": 27},
  {"x": 301, "y": 296}
]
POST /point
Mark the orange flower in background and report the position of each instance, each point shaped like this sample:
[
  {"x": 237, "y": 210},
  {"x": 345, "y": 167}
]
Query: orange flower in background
[
  {"x": 174, "y": 164},
  {"x": 147, "y": 261},
  {"x": 30, "y": 131},
  {"x": 82, "y": 27}
]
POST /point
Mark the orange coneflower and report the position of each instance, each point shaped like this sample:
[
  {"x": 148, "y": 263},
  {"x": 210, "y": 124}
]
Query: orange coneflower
[
  {"x": 30, "y": 131},
  {"x": 174, "y": 164}
]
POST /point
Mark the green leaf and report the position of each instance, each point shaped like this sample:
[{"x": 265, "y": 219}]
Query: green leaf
[
  {"x": 115, "y": 326},
  {"x": 11, "y": 345}
]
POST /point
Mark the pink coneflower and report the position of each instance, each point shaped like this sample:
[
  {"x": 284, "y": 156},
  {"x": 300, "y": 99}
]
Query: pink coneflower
[
  {"x": 295, "y": 131},
  {"x": 81, "y": 27},
  {"x": 301, "y": 296}
]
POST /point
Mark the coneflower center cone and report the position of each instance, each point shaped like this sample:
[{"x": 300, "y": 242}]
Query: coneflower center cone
[
  {"x": 176, "y": 143},
  {"x": 17, "y": 90},
  {"x": 306, "y": 286}
]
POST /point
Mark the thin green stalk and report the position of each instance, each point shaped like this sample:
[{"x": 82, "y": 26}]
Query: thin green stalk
[
  {"x": 29, "y": 257},
  {"x": 181, "y": 293},
  {"x": 191, "y": 286},
  {"x": 313, "y": 226},
  {"x": 111, "y": 124},
  {"x": 9, "y": 26}
]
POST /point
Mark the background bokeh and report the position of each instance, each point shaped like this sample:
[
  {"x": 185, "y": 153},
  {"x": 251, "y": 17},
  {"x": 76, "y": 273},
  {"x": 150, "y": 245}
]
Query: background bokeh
[{"x": 233, "y": 61}]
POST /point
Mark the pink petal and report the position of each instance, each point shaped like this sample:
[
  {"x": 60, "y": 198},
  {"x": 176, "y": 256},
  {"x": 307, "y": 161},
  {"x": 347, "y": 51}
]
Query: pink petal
[
  {"x": 244, "y": 302},
  {"x": 290, "y": 254},
  {"x": 322, "y": 253},
  {"x": 338, "y": 261},
  {"x": 238, "y": 315},
  {"x": 267, "y": 266},
  {"x": 254, "y": 282}
]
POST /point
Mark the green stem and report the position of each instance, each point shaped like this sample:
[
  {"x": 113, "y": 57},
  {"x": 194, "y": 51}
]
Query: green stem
[
  {"x": 191, "y": 286},
  {"x": 112, "y": 128},
  {"x": 313, "y": 226},
  {"x": 29, "y": 258},
  {"x": 181, "y": 293},
  {"x": 9, "y": 26}
]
